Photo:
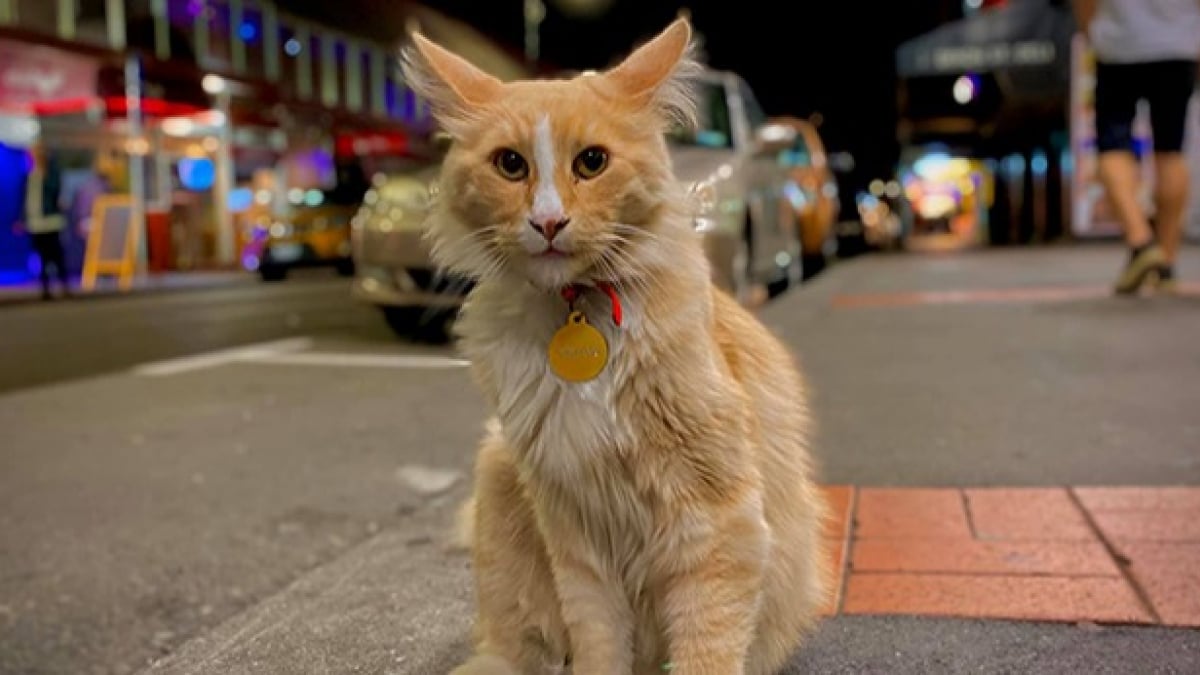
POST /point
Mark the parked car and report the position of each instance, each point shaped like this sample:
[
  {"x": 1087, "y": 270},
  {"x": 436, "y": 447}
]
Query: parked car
[
  {"x": 729, "y": 162},
  {"x": 813, "y": 193},
  {"x": 314, "y": 233},
  {"x": 393, "y": 266},
  {"x": 750, "y": 231}
]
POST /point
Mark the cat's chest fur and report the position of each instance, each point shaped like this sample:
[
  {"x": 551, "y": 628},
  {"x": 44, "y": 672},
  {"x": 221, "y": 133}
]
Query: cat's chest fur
[{"x": 556, "y": 426}]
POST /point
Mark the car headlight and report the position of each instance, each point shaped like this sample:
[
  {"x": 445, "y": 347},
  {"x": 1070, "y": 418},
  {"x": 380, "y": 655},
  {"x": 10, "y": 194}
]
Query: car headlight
[{"x": 704, "y": 195}]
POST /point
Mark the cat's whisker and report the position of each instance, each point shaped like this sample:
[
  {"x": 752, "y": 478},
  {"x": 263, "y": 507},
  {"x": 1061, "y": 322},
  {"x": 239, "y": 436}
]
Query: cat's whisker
[{"x": 623, "y": 267}]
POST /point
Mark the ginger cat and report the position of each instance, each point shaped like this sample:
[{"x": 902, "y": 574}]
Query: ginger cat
[{"x": 662, "y": 513}]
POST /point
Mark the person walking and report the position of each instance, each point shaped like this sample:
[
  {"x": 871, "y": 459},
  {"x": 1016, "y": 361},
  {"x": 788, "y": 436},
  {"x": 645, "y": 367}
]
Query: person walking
[
  {"x": 44, "y": 219},
  {"x": 1145, "y": 50}
]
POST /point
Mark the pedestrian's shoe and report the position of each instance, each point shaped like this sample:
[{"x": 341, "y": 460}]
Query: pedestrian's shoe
[
  {"x": 1165, "y": 281},
  {"x": 1142, "y": 262}
]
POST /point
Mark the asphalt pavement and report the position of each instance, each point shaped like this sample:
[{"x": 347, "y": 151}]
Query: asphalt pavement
[
  {"x": 285, "y": 508},
  {"x": 46, "y": 342}
]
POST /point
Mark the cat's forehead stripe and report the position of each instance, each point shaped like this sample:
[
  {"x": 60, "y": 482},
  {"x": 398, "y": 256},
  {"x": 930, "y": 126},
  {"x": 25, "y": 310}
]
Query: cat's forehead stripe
[{"x": 547, "y": 204}]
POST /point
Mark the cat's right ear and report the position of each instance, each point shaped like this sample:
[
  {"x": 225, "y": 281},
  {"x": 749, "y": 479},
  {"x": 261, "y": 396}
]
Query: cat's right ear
[
  {"x": 660, "y": 73},
  {"x": 451, "y": 84}
]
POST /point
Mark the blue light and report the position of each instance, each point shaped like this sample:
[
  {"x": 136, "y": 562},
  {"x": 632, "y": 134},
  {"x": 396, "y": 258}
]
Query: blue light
[
  {"x": 931, "y": 164},
  {"x": 14, "y": 247},
  {"x": 197, "y": 173},
  {"x": 291, "y": 47},
  {"x": 240, "y": 199},
  {"x": 1039, "y": 163},
  {"x": 711, "y": 139},
  {"x": 247, "y": 31}
]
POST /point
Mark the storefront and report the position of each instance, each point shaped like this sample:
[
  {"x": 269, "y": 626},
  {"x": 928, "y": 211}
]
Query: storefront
[
  {"x": 217, "y": 118},
  {"x": 948, "y": 198},
  {"x": 39, "y": 84},
  {"x": 992, "y": 88}
]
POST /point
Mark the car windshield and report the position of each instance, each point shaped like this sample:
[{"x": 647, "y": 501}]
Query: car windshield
[
  {"x": 798, "y": 154},
  {"x": 713, "y": 126}
]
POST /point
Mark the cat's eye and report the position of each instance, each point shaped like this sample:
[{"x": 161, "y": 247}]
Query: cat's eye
[
  {"x": 511, "y": 164},
  {"x": 591, "y": 162}
]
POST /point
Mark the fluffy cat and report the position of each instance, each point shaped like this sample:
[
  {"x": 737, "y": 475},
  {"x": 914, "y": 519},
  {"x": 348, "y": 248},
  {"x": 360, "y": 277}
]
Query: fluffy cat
[{"x": 663, "y": 512}]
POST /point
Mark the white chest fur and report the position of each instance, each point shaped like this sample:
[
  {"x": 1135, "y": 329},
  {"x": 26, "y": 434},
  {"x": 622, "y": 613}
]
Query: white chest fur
[{"x": 555, "y": 425}]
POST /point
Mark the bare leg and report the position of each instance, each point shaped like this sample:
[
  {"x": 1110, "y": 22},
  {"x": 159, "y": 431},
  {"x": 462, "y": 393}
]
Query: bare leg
[
  {"x": 1119, "y": 173},
  {"x": 519, "y": 628},
  {"x": 1170, "y": 196}
]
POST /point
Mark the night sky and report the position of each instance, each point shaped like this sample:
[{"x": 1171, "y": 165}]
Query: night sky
[{"x": 837, "y": 59}]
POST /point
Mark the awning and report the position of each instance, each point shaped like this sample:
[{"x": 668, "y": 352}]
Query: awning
[{"x": 1022, "y": 38}]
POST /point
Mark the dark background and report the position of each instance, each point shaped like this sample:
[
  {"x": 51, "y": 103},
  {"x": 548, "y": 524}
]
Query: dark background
[{"x": 800, "y": 57}]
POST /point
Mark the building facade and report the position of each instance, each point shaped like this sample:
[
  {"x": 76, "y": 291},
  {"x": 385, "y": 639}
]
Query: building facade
[{"x": 209, "y": 113}]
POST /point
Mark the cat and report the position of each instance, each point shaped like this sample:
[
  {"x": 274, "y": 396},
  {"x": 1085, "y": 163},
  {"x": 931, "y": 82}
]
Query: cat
[{"x": 659, "y": 511}]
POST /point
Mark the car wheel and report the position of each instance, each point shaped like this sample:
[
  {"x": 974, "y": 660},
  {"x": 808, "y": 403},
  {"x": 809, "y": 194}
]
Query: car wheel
[
  {"x": 794, "y": 273},
  {"x": 402, "y": 320},
  {"x": 811, "y": 265},
  {"x": 739, "y": 264},
  {"x": 272, "y": 273},
  {"x": 419, "y": 323}
]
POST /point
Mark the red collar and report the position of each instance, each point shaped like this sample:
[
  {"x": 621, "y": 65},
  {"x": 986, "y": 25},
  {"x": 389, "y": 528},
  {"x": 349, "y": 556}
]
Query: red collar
[{"x": 571, "y": 292}]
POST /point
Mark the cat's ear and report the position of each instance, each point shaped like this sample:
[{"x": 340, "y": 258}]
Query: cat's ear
[
  {"x": 451, "y": 84},
  {"x": 660, "y": 73}
]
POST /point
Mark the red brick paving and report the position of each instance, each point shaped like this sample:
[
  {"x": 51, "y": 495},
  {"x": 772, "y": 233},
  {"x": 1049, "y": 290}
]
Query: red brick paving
[
  {"x": 1026, "y": 513},
  {"x": 1139, "y": 498},
  {"x": 837, "y": 539},
  {"x": 1019, "y": 553},
  {"x": 840, "y": 498},
  {"x": 1170, "y": 575},
  {"x": 911, "y": 513},
  {"x": 1149, "y": 525},
  {"x": 1032, "y": 598},
  {"x": 1158, "y": 531},
  {"x": 1067, "y": 558}
]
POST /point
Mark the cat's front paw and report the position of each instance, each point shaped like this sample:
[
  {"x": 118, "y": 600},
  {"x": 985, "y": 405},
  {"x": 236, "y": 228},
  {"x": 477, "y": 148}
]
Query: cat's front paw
[{"x": 484, "y": 664}]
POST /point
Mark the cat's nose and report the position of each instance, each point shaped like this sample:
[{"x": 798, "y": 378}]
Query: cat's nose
[{"x": 550, "y": 228}]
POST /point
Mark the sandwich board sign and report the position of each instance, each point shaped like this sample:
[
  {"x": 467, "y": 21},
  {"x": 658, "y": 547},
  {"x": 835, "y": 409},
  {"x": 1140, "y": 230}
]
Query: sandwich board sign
[{"x": 112, "y": 242}]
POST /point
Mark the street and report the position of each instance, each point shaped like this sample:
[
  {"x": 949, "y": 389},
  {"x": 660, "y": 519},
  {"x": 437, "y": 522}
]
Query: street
[
  {"x": 46, "y": 343},
  {"x": 261, "y": 478}
]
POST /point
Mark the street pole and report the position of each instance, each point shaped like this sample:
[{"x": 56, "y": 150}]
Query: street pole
[
  {"x": 136, "y": 152},
  {"x": 535, "y": 12},
  {"x": 224, "y": 182}
]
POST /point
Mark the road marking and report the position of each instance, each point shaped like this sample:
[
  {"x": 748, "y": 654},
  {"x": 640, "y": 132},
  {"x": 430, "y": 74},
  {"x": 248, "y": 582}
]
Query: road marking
[
  {"x": 222, "y": 357},
  {"x": 292, "y": 352},
  {"x": 984, "y": 295},
  {"x": 412, "y": 361},
  {"x": 427, "y": 480}
]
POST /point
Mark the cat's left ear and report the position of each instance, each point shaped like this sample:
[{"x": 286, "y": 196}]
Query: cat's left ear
[
  {"x": 659, "y": 73},
  {"x": 451, "y": 84}
]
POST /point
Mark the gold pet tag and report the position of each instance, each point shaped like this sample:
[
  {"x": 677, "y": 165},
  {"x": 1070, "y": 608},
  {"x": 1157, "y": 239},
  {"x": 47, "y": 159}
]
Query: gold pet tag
[{"x": 578, "y": 352}]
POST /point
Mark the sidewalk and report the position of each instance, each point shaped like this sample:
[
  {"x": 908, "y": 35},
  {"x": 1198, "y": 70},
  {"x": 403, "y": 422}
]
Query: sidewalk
[
  {"x": 31, "y": 291},
  {"x": 1013, "y": 454}
]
